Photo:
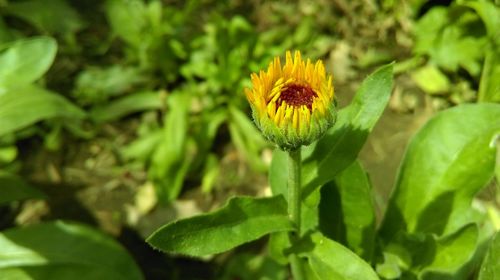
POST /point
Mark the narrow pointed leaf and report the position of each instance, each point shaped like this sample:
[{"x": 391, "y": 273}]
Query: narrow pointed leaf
[
  {"x": 241, "y": 220},
  {"x": 17, "y": 108}
]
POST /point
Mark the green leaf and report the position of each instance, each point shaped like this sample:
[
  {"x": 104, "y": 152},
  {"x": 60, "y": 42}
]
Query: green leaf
[
  {"x": 128, "y": 19},
  {"x": 451, "y": 254},
  {"x": 118, "y": 108},
  {"x": 490, "y": 269},
  {"x": 341, "y": 144},
  {"x": 247, "y": 139},
  {"x": 489, "y": 86},
  {"x": 241, "y": 220},
  {"x": 330, "y": 260},
  {"x": 347, "y": 214},
  {"x": 170, "y": 160},
  {"x": 245, "y": 266},
  {"x": 13, "y": 188},
  {"x": 431, "y": 80},
  {"x": 17, "y": 108},
  {"x": 95, "y": 85},
  {"x": 60, "y": 250},
  {"x": 490, "y": 15},
  {"x": 25, "y": 60},
  {"x": 446, "y": 163},
  {"x": 53, "y": 16}
]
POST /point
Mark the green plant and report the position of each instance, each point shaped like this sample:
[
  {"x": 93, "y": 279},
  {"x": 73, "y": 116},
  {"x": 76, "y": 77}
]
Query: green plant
[
  {"x": 460, "y": 47},
  {"x": 338, "y": 238},
  {"x": 57, "y": 249}
]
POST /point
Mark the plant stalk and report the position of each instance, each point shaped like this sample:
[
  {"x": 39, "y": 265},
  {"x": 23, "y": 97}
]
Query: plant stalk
[{"x": 294, "y": 200}]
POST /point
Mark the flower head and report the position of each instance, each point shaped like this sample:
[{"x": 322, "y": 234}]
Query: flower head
[{"x": 292, "y": 105}]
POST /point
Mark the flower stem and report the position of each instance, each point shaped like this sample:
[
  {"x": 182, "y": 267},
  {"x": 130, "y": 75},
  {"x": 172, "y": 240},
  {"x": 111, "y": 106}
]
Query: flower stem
[{"x": 294, "y": 187}]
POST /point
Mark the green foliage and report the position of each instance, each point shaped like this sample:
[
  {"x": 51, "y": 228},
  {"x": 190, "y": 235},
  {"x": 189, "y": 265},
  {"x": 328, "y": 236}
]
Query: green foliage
[
  {"x": 241, "y": 220},
  {"x": 347, "y": 212},
  {"x": 60, "y": 250},
  {"x": 330, "y": 260},
  {"x": 340, "y": 146},
  {"x": 491, "y": 267},
  {"x": 52, "y": 16},
  {"x": 13, "y": 103},
  {"x": 446, "y": 164},
  {"x": 13, "y": 188},
  {"x": 464, "y": 36},
  {"x": 169, "y": 162},
  {"x": 25, "y": 61},
  {"x": 158, "y": 85}
]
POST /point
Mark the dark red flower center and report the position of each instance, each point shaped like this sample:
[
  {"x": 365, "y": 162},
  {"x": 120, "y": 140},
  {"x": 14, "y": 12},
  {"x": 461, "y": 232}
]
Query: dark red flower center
[{"x": 297, "y": 95}]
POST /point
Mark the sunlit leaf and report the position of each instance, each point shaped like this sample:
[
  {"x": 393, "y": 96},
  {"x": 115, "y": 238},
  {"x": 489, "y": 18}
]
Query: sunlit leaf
[
  {"x": 241, "y": 220},
  {"x": 26, "y": 60},
  {"x": 128, "y": 104},
  {"x": 17, "y": 108},
  {"x": 449, "y": 160},
  {"x": 170, "y": 161}
]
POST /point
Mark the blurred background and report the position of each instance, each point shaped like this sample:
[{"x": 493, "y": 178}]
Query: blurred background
[{"x": 127, "y": 114}]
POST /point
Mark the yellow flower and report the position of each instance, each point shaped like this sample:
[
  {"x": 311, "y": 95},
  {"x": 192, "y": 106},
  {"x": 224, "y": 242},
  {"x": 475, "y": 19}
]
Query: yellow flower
[{"x": 292, "y": 105}]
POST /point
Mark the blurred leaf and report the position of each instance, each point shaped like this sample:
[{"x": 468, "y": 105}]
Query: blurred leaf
[
  {"x": 490, "y": 15},
  {"x": 59, "y": 250},
  {"x": 13, "y": 188},
  {"x": 97, "y": 85},
  {"x": 330, "y": 260},
  {"x": 428, "y": 28},
  {"x": 170, "y": 161},
  {"x": 52, "y": 16},
  {"x": 490, "y": 269},
  {"x": 340, "y": 146},
  {"x": 246, "y": 266},
  {"x": 241, "y": 220},
  {"x": 142, "y": 148},
  {"x": 26, "y": 60},
  {"x": 128, "y": 104},
  {"x": 489, "y": 86},
  {"x": 6, "y": 35},
  {"x": 246, "y": 137},
  {"x": 446, "y": 163},
  {"x": 347, "y": 214},
  {"x": 210, "y": 173},
  {"x": 17, "y": 108},
  {"x": 451, "y": 37},
  {"x": 7, "y": 154},
  {"x": 128, "y": 20},
  {"x": 451, "y": 254},
  {"x": 431, "y": 80}
]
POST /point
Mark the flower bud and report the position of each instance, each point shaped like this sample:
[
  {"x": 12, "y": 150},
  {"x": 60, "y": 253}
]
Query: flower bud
[{"x": 292, "y": 105}]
